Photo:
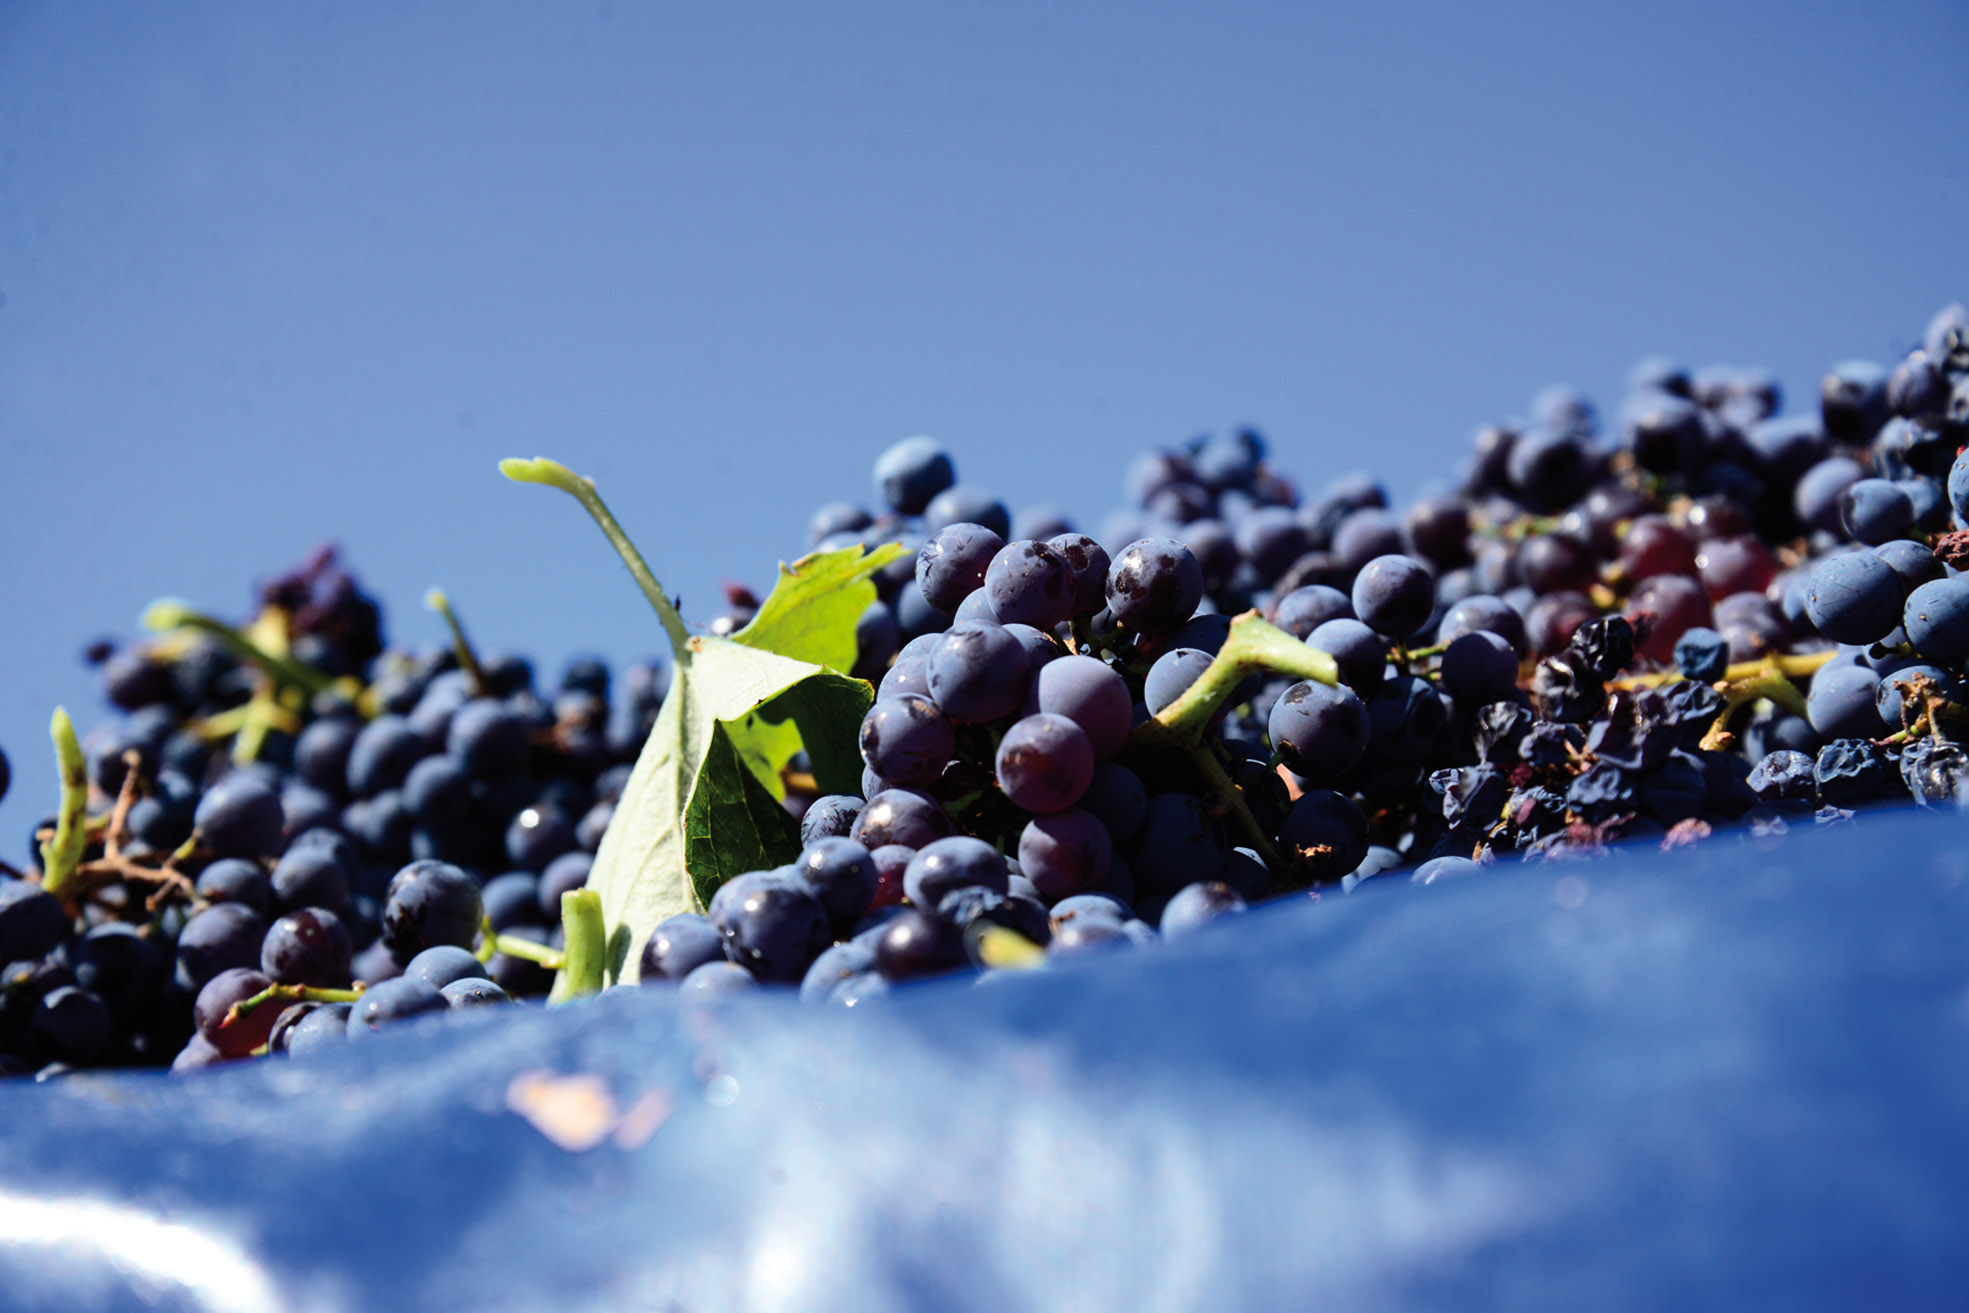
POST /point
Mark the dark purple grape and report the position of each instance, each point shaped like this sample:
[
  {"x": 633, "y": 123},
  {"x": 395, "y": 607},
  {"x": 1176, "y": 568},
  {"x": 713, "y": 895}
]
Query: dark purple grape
[
  {"x": 1676, "y": 604},
  {"x": 1088, "y": 563},
  {"x": 1092, "y": 696},
  {"x": 1319, "y": 730},
  {"x": 1654, "y": 544},
  {"x": 1482, "y": 611},
  {"x": 440, "y": 966},
  {"x": 1154, "y": 585},
  {"x": 1118, "y": 799},
  {"x": 563, "y": 875},
  {"x": 1067, "y": 852},
  {"x": 907, "y": 739},
  {"x": 74, "y": 1025},
  {"x": 473, "y": 992},
  {"x": 308, "y": 946},
  {"x": 830, "y": 816},
  {"x": 897, "y": 816},
  {"x": 1045, "y": 763},
  {"x": 1936, "y": 617},
  {"x": 223, "y": 937},
  {"x": 912, "y": 472},
  {"x": 312, "y": 876},
  {"x": 1325, "y": 834},
  {"x": 512, "y": 899},
  {"x": 962, "y": 505},
  {"x": 1178, "y": 839},
  {"x": 240, "y": 817},
  {"x": 215, "y": 1000},
  {"x": 1303, "y": 610},
  {"x": 1171, "y": 676},
  {"x": 487, "y": 739},
  {"x": 1916, "y": 563},
  {"x": 1853, "y": 400},
  {"x": 430, "y": 903},
  {"x": 1854, "y": 597},
  {"x": 1030, "y": 583},
  {"x": 32, "y": 922},
  {"x": 839, "y": 964},
  {"x": 321, "y": 753},
  {"x": 1394, "y": 595},
  {"x": 1479, "y": 667},
  {"x": 1875, "y": 511},
  {"x": 324, "y": 1026},
  {"x": 954, "y": 863},
  {"x": 773, "y": 928},
  {"x": 1842, "y": 702},
  {"x": 1365, "y": 533},
  {"x": 382, "y": 755},
  {"x": 841, "y": 874},
  {"x": 1359, "y": 652},
  {"x": 1558, "y": 562},
  {"x": 679, "y": 945},
  {"x": 716, "y": 979},
  {"x": 1702, "y": 655},
  {"x": 838, "y": 517},
  {"x": 536, "y": 836},
  {"x": 1438, "y": 530},
  {"x": 952, "y": 564},
  {"x": 1816, "y": 498},
  {"x": 392, "y": 1001},
  {"x": 916, "y": 944},
  {"x": 979, "y": 672}
]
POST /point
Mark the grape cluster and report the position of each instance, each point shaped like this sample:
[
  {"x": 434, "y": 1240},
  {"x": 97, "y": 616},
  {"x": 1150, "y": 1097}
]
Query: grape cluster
[
  {"x": 1712, "y": 615},
  {"x": 1709, "y": 614},
  {"x": 343, "y": 813}
]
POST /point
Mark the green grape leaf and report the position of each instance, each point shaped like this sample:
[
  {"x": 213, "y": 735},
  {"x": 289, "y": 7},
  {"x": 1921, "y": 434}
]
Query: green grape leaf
[
  {"x": 703, "y": 802},
  {"x": 811, "y": 613}
]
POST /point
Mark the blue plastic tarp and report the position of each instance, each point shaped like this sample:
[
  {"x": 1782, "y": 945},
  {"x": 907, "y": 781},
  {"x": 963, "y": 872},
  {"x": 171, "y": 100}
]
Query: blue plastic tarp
[{"x": 1730, "y": 1077}]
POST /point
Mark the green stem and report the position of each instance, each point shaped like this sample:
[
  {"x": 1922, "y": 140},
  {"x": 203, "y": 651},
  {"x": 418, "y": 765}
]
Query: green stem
[
  {"x": 437, "y": 601},
  {"x": 553, "y": 474},
  {"x": 586, "y": 954},
  {"x": 526, "y": 949},
  {"x": 1232, "y": 797},
  {"x": 167, "y": 615},
  {"x": 62, "y": 856},
  {"x": 1254, "y": 647},
  {"x": 287, "y": 994}
]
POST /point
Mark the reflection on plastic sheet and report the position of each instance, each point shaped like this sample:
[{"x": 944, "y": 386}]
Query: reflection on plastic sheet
[
  {"x": 1644, "y": 1082},
  {"x": 95, "y": 1253}
]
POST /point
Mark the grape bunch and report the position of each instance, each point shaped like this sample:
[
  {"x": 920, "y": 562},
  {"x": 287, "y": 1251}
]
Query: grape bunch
[
  {"x": 1712, "y": 615},
  {"x": 292, "y": 804}
]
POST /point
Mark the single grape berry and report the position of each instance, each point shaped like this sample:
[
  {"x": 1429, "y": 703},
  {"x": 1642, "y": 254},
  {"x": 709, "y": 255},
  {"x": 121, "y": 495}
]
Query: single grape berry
[
  {"x": 678, "y": 946},
  {"x": 1319, "y": 730},
  {"x": 1154, "y": 585},
  {"x": 907, "y": 739},
  {"x": 952, "y": 564},
  {"x": 1045, "y": 763},
  {"x": 1030, "y": 583},
  {"x": 308, "y": 946},
  {"x": 430, "y": 903},
  {"x": 979, "y": 672},
  {"x": 911, "y": 473},
  {"x": 1394, "y": 595}
]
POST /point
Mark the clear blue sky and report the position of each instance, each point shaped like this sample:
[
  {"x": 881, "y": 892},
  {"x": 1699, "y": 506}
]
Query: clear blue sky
[{"x": 278, "y": 274}]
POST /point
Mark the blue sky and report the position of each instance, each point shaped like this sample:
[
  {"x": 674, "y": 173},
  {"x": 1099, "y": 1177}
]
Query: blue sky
[{"x": 275, "y": 275}]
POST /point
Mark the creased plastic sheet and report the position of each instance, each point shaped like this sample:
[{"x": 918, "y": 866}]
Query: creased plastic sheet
[{"x": 1730, "y": 1078}]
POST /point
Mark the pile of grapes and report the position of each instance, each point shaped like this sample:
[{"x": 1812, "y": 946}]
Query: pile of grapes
[{"x": 1712, "y": 615}]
